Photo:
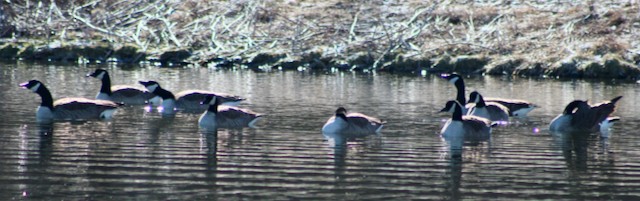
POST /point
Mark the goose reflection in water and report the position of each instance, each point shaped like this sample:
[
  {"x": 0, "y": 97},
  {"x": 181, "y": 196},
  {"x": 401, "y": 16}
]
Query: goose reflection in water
[
  {"x": 209, "y": 145},
  {"x": 340, "y": 144},
  {"x": 455, "y": 145},
  {"x": 45, "y": 145},
  {"x": 575, "y": 147}
]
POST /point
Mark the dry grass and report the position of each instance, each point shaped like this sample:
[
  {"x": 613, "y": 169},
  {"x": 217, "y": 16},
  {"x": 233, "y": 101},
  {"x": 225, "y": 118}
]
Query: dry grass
[{"x": 541, "y": 31}]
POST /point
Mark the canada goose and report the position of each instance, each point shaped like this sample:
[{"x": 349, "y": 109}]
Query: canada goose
[
  {"x": 579, "y": 116},
  {"x": 187, "y": 100},
  {"x": 221, "y": 116},
  {"x": 489, "y": 110},
  {"x": 352, "y": 123},
  {"x": 168, "y": 105},
  {"x": 516, "y": 107},
  {"x": 68, "y": 108},
  {"x": 124, "y": 94},
  {"x": 469, "y": 126}
]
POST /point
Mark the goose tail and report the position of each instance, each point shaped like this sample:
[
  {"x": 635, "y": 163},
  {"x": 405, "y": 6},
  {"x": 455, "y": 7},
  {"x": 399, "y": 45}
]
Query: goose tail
[
  {"x": 614, "y": 100},
  {"x": 252, "y": 123}
]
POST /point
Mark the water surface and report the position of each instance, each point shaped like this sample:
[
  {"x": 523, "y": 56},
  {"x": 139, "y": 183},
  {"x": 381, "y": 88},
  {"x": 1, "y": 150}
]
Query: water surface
[{"x": 141, "y": 155}]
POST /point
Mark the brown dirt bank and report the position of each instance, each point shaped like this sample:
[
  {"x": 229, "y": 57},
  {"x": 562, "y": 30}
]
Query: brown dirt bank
[{"x": 583, "y": 39}]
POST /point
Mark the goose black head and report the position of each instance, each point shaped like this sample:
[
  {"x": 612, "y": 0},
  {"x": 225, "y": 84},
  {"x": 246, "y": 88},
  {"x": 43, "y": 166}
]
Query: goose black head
[
  {"x": 453, "y": 78},
  {"x": 474, "y": 97},
  {"x": 342, "y": 113},
  {"x": 150, "y": 85},
  {"x": 454, "y": 107},
  {"x": 209, "y": 100},
  {"x": 98, "y": 73},
  {"x": 32, "y": 85},
  {"x": 450, "y": 106}
]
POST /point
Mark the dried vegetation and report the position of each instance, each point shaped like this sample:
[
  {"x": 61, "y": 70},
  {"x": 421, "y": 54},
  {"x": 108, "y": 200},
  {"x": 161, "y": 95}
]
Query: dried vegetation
[{"x": 532, "y": 38}]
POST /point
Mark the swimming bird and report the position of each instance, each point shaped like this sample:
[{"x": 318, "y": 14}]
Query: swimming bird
[
  {"x": 467, "y": 126},
  {"x": 580, "y": 116},
  {"x": 168, "y": 105},
  {"x": 490, "y": 110},
  {"x": 124, "y": 94},
  {"x": 352, "y": 123},
  {"x": 188, "y": 100},
  {"x": 516, "y": 107},
  {"x": 222, "y": 116},
  {"x": 68, "y": 108}
]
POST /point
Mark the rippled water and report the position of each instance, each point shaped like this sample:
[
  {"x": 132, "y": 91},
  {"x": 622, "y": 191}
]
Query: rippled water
[{"x": 141, "y": 155}]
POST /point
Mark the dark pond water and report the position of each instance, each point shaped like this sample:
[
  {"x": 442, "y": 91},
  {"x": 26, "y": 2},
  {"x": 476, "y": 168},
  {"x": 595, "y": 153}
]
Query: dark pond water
[{"x": 140, "y": 155}]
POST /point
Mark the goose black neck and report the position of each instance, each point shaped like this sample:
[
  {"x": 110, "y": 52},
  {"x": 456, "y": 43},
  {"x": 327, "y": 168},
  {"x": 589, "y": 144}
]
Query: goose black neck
[
  {"x": 457, "y": 113},
  {"x": 213, "y": 107},
  {"x": 570, "y": 107},
  {"x": 480, "y": 102},
  {"x": 460, "y": 86},
  {"x": 164, "y": 94},
  {"x": 45, "y": 94},
  {"x": 342, "y": 116},
  {"x": 106, "y": 84}
]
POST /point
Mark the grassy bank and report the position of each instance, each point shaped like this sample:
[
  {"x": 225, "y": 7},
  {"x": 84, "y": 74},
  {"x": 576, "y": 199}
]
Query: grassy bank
[{"x": 584, "y": 39}]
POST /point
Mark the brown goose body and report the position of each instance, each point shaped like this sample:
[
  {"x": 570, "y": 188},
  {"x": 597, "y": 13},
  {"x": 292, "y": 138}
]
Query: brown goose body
[
  {"x": 82, "y": 109},
  {"x": 588, "y": 117},
  {"x": 190, "y": 99}
]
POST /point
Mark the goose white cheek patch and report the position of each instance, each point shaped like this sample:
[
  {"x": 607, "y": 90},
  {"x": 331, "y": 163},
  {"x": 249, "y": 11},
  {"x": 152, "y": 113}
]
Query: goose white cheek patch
[
  {"x": 35, "y": 88},
  {"x": 152, "y": 87}
]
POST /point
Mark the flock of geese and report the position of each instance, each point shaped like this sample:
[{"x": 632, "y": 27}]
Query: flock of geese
[
  {"x": 220, "y": 109},
  {"x": 472, "y": 118},
  {"x": 480, "y": 114}
]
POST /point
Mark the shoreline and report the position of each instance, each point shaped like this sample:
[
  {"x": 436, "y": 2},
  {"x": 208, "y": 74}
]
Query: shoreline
[{"x": 610, "y": 66}]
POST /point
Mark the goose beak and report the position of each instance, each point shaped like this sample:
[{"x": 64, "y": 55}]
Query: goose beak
[
  {"x": 143, "y": 83},
  {"x": 24, "y": 84}
]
